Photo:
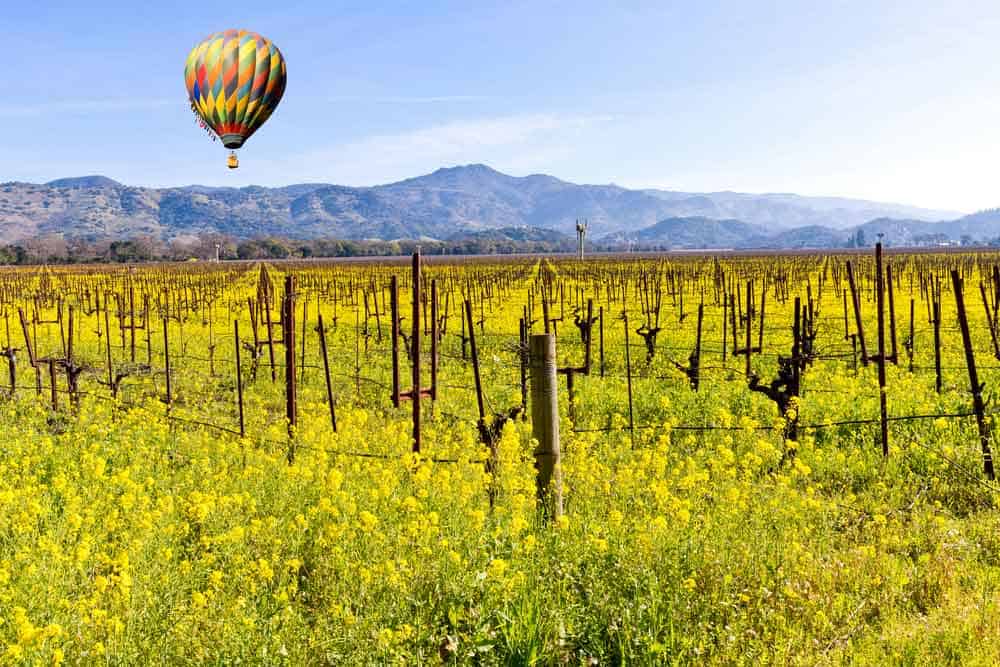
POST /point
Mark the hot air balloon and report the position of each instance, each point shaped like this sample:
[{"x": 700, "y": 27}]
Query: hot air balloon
[{"x": 235, "y": 80}]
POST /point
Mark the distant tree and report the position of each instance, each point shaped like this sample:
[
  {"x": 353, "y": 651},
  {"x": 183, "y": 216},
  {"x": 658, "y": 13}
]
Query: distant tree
[
  {"x": 129, "y": 250},
  {"x": 251, "y": 250},
  {"x": 277, "y": 248}
]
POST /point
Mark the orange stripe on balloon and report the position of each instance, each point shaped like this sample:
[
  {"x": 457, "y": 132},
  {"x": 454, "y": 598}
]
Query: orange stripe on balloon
[
  {"x": 230, "y": 74},
  {"x": 261, "y": 78}
]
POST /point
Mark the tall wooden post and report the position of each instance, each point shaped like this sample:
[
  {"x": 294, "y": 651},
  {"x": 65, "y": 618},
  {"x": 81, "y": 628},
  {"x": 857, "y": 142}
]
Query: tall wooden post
[
  {"x": 760, "y": 333},
  {"x": 880, "y": 304},
  {"x": 52, "y": 384},
  {"x": 69, "y": 338},
  {"x": 696, "y": 361},
  {"x": 913, "y": 341},
  {"x": 545, "y": 423},
  {"x": 475, "y": 365},
  {"x": 894, "y": 355},
  {"x": 166, "y": 362},
  {"x": 32, "y": 359},
  {"x": 107, "y": 345},
  {"x": 990, "y": 321},
  {"x": 434, "y": 340},
  {"x": 270, "y": 334},
  {"x": 847, "y": 330},
  {"x": 937, "y": 344},
  {"x": 394, "y": 314},
  {"x": 131, "y": 322},
  {"x": 11, "y": 358},
  {"x": 796, "y": 347},
  {"x": 749, "y": 323},
  {"x": 600, "y": 317},
  {"x": 302, "y": 356},
  {"x": 326, "y": 373},
  {"x": 239, "y": 376},
  {"x": 628, "y": 378},
  {"x": 978, "y": 406},
  {"x": 291, "y": 394},
  {"x": 415, "y": 340},
  {"x": 725, "y": 312},
  {"x": 522, "y": 354},
  {"x": 856, "y": 301}
]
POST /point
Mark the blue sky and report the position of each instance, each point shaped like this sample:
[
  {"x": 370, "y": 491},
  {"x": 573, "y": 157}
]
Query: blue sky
[{"x": 895, "y": 101}]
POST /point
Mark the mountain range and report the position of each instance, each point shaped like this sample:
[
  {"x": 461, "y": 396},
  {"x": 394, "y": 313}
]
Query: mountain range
[{"x": 469, "y": 201}]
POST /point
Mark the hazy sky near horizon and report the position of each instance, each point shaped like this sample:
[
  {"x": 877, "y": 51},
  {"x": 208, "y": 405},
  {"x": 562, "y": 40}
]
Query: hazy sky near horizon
[{"x": 885, "y": 100}]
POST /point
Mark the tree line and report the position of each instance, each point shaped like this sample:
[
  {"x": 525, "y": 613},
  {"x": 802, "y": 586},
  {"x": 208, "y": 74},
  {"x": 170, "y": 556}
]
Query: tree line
[{"x": 59, "y": 250}]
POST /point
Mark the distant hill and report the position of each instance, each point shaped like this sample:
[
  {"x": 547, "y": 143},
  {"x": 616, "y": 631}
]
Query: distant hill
[
  {"x": 698, "y": 232},
  {"x": 519, "y": 234},
  {"x": 449, "y": 201},
  {"x": 786, "y": 211},
  {"x": 84, "y": 182}
]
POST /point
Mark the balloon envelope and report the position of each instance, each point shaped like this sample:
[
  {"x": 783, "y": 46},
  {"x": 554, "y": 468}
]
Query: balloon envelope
[{"x": 235, "y": 80}]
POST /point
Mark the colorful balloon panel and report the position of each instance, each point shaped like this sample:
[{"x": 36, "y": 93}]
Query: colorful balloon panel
[{"x": 235, "y": 80}]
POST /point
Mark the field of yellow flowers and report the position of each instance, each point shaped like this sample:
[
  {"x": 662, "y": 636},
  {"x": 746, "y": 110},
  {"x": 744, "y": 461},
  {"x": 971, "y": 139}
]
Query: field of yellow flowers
[{"x": 136, "y": 532}]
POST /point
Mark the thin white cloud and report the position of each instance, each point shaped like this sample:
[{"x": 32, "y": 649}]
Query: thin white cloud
[
  {"x": 453, "y": 139},
  {"x": 401, "y": 99},
  {"x": 82, "y": 107},
  {"x": 509, "y": 140}
]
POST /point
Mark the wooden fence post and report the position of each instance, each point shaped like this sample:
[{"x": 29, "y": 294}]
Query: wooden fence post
[
  {"x": 326, "y": 372},
  {"x": 434, "y": 342},
  {"x": 166, "y": 362},
  {"x": 725, "y": 313},
  {"x": 131, "y": 321},
  {"x": 523, "y": 365},
  {"x": 937, "y": 344},
  {"x": 857, "y": 314},
  {"x": 880, "y": 304},
  {"x": 749, "y": 323},
  {"x": 977, "y": 389},
  {"x": 302, "y": 356},
  {"x": 760, "y": 333},
  {"x": 239, "y": 376},
  {"x": 11, "y": 358},
  {"x": 107, "y": 345},
  {"x": 601, "y": 330},
  {"x": 415, "y": 341},
  {"x": 545, "y": 423},
  {"x": 792, "y": 427},
  {"x": 288, "y": 337},
  {"x": 270, "y": 334},
  {"x": 69, "y": 338},
  {"x": 52, "y": 384},
  {"x": 31, "y": 351},
  {"x": 628, "y": 377},
  {"x": 912, "y": 347},
  {"x": 894, "y": 355},
  {"x": 990, "y": 321},
  {"x": 696, "y": 360},
  {"x": 475, "y": 366},
  {"x": 394, "y": 314},
  {"x": 149, "y": 333}
]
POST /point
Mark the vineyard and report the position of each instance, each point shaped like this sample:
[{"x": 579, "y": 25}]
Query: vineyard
[{"x": 655, "y": 460}]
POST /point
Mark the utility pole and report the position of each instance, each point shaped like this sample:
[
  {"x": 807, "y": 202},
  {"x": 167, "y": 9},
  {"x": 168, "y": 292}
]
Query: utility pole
[{"x": 581, "y": 235}]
